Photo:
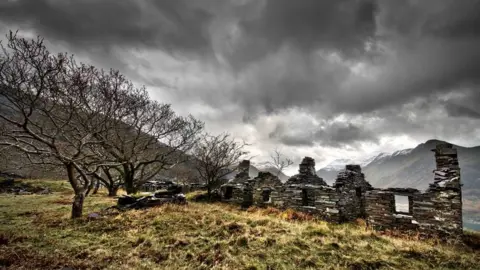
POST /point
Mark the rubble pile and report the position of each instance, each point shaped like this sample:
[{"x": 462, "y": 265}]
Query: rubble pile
[{"x": 172, "y": 195}]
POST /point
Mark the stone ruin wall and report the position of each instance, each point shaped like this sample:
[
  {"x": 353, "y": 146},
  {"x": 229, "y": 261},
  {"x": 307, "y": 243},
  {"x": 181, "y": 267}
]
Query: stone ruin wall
[
  {"x": 320, "y": 200},
  {"x": 352, "y": 186},
  {"x": 235, "y": 191},
  {"x": 438, "y": 211},
  {"x": 304, "y": 192}
]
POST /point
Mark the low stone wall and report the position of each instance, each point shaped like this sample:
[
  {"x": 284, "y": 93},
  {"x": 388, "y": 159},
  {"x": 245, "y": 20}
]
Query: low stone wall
[
  {"x": 318, "y": 200},
  {"x": 232, "y": 193},
  {"x": 327, "y": 204},
  {"x": 263, "y": 196},
  {"x": 380, "y": 207}
]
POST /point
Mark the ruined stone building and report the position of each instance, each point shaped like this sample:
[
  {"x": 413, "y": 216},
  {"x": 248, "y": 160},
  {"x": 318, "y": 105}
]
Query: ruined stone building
[
  {"x": 437, "y": 211},
  {"x": 245, "y": 191}
]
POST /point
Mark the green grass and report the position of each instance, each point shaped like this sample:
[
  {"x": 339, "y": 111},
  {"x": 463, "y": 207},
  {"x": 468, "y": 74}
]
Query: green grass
[{"x": 36, "y": 233}]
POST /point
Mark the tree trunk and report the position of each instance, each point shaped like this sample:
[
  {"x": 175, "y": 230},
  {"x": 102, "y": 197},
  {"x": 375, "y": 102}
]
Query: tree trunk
[
  {"x": 97, "y": 186},
  {"x": 77, "y": 207},
  {"x": 112, "y": 191},
  {"x": 209, "y": 190},
  {"x": 89, "y": 188},
  {"x": 129, "y": 186}
]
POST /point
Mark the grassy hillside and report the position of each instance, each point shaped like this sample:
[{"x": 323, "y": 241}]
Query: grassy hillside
[{"x": 36, "y": 233}]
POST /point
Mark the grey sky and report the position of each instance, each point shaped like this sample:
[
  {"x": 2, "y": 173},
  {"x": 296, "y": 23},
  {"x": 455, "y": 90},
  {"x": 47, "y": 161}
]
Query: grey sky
[{"x": 329, "y": 79}]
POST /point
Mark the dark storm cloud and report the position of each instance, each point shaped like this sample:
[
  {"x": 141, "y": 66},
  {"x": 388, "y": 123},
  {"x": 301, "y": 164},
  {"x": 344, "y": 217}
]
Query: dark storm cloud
[
  {"x": 336, "y": 134},
  {"x": 290, "y": 136},
  {"x": 269, "y": 56},
  {"x": 173, "y": 25},
  {"x": 435, "y": 50},
  {"x": 339, "y": 25},
  {"x": 456, "y": 110},
  {"x": 417, "y": 49},
  {"x": 340, "y": 134}
]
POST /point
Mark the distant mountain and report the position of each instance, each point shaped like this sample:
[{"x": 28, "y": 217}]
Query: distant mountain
[
  {"x": 329, "y": 173},
  {"x": 411, "y": 168}
]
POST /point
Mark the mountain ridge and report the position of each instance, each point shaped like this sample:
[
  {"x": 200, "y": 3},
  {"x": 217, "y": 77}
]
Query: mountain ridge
[{"x": 412, "y": 167}]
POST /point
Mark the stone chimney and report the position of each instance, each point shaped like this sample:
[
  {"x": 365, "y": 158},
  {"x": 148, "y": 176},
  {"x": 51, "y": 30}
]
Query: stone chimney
[
  {"x": 244, "y": 168},
  {"x": 447, "y": 173},
  {"x": 446, "y": 190},
  {"x": 306, "y": 174},
  {"x": 307, "y": 167},
  {"x": 355, "y": 168}
]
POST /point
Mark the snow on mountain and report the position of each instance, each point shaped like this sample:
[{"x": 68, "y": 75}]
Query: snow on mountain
[
  {"x": 338, "y": 164},
  {"x": 402, "y": 152},
  {"x": 262, "y": 165}
]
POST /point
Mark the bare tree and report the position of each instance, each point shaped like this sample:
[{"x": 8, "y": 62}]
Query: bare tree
[
  {"x": 49, "y": 99},
  {"x": 216, "y": 157},
  {"x": 95, "y": 124},
  {"x": 279, "y": 162},
  {"x": 150, "y": 139},
  {"x": 111, "y": 177}
]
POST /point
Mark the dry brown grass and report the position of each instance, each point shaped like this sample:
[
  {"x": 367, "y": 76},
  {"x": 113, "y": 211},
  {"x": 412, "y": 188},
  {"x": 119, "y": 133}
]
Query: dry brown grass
[{"x": 36, "y": 233}]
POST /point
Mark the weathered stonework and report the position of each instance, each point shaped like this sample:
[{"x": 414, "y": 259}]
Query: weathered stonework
[
  {"x": 245, "y": 191},
  {"x": 438, "y": 211},
  {"x": 263, "y": 185},
  {"x": 304, "y": 192},
  {"x": 243, "y": 169},
  {"x": 237, "y": 190},
  {"x": 352, "y": 186},
  {"x": 306, "y": 174}
]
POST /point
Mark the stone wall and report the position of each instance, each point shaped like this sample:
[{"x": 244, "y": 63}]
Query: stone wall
[
  {"x": 380, "y": 208},
  {"x": 263, "y": 185},
  {"x": 232, "y": 193},
  {"x": 351, "y": 186},
  {"x": 235, "y": 190},
  {"x": 321, "y": 201},
  {"x": 243, "y": 169},
  {"x": 445, "y": 194},
  {"x": 304, "y": 192},
  {"x": 247, "y": 192},
  {"x": 306, "y": 174},
  {"x": 437, "y": 212}
]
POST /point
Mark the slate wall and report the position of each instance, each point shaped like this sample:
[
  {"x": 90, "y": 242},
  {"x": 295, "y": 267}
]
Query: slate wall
[{"x": 437, "y": 212}]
